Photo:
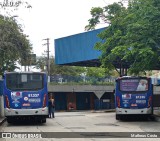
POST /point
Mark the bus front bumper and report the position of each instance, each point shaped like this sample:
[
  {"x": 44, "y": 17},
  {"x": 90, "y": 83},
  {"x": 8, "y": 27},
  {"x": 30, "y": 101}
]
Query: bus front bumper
[
  {"x": 123, "y": 111},
  {"x": 26, "y": 112}
]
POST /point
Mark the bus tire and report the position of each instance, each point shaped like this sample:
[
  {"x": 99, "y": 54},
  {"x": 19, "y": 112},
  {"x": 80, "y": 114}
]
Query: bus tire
[
  {"x": 9, "y": 120},
  {"x": 44, "y": 120},
  {"x": 117, "y": 117}
]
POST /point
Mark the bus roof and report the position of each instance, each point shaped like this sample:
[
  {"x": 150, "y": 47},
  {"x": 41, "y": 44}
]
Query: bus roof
[{"x": 132, "y": 77}]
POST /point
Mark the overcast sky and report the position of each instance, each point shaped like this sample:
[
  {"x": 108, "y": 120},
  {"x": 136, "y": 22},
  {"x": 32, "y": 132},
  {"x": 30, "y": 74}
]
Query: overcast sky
[{"x": 55, "y": 19}]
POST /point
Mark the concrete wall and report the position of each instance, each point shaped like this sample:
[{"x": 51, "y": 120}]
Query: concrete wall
[
  {"x": 79, "y": 88},
  {"x": 89, "y": 88},
  {"x": 98, "y": 90}
]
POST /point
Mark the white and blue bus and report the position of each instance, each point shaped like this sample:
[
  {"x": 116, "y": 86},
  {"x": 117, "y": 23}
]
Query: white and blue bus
[
  {"x": 25, "y": 96},
  {"x": 133, "y": 97}
]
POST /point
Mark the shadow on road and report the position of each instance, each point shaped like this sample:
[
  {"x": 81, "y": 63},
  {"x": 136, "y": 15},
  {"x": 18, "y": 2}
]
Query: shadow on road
[
  {"x": 26, "y": 122},
  {"x": 140, "y": 118}
]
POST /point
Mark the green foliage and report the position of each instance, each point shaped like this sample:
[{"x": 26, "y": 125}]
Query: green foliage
[
  {"x": 41, "y": 63},
  {"x": 59, "y": 69},
  {"x": 96, "y": 13},
  {"x": 132, "y": 37},
  {"x": 95, "y": 72},
  {"x": 13, "y": 44},
  {"x": 84, "y": 83}
]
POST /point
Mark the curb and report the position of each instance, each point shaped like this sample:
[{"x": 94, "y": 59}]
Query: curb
[{"x": 103, "y": 111}]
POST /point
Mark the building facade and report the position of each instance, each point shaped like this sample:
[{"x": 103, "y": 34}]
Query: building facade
[{"x": 82, "y": 97}]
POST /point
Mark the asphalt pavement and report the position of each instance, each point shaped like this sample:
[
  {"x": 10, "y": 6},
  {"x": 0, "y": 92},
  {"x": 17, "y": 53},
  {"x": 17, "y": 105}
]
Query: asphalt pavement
[{"x": 156, "y": 113}]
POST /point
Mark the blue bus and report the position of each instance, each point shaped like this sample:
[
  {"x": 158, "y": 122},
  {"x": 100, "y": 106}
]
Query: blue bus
[
  {"x": 25, "y": 96},
  {"x": 133, "y": 97}
]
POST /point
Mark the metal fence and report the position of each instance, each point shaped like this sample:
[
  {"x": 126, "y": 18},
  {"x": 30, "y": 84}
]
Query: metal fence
[{"x": 65, "y": 79}]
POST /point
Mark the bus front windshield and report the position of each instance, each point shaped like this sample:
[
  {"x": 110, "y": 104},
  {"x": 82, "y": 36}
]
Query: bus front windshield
[
  {"x": 132, "y": 85},
  {"x": 17, "y": 81}
]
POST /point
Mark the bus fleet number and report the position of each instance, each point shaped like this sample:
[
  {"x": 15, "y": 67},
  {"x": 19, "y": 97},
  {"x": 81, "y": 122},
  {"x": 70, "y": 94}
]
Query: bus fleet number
[{"x": 33, "y": 95}]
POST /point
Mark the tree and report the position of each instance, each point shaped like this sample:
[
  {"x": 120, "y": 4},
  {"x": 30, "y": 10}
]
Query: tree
[
  {"x": 58, "y": 69},
  {"x": 132, "y": 36},
  {"x": 13, "y": 44},
  {"x": 95, "y": 72},
  {"x": 41, "y": 63}
]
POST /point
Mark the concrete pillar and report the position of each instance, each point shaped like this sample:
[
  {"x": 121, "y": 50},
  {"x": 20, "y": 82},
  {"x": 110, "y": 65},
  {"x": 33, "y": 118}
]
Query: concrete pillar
[{"x": 1, "y": 106}]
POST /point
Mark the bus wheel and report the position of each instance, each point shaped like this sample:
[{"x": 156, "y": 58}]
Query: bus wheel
[
  {"x": 44, "y": 120},
  {"x": 117, "y": 117},
  {"x": 9, "y": 120}
]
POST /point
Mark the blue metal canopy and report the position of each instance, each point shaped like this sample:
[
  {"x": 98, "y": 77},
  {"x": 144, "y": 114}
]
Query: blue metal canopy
[{"x": 78, "y": 49}]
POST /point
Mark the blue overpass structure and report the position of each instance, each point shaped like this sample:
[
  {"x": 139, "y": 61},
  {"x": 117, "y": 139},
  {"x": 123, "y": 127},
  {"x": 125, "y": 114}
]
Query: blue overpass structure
[{"x": 78, "y": 49}]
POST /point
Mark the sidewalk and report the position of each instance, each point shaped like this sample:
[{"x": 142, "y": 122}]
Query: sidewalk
[
  {"x": 156, "y": 112},
  {"x": 103, "y": 111}
]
